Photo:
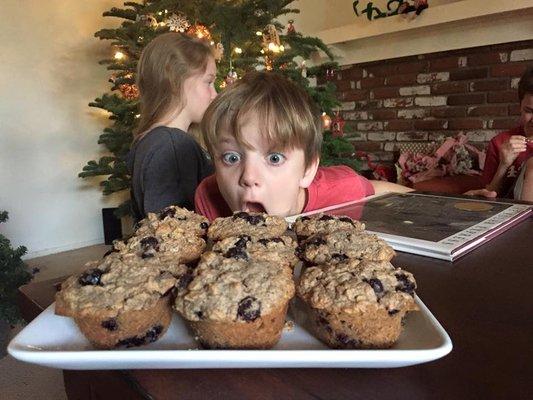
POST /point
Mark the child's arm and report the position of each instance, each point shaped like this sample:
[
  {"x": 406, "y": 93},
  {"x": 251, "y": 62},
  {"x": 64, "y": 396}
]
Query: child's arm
[
  {"x": 383, "y": 186},
  {"x": 508, "y": 154}
]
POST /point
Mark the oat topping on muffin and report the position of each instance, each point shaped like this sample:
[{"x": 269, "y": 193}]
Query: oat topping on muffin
[
  {"x": 322, "y": 223},
  {"x": 244, "y": 223},
  {"x": 232, "y": 289},
  {"x": 340, "y": 246}
]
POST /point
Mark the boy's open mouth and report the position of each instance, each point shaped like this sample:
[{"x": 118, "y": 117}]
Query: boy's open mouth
[{"x": 253, "y": 207}]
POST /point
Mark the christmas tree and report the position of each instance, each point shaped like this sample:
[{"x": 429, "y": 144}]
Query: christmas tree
[
  {"x": 13, "y": 274},
  {"x": 246, "y": 35}
]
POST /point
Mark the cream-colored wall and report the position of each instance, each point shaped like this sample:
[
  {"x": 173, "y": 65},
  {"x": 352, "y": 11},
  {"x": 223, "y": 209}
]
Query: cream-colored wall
[
  {"x": 48, "y": 75},
  {"x": 445, "y": 25}
]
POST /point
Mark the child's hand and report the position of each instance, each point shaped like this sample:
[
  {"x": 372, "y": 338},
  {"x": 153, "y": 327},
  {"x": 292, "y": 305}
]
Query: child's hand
[
  {"x": 490, "y": 194},
  {"x": 510, "y": 149}
]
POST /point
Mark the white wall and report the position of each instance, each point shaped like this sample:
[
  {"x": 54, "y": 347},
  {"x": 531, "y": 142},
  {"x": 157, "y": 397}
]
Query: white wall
[{"x": 48, "y": 75}]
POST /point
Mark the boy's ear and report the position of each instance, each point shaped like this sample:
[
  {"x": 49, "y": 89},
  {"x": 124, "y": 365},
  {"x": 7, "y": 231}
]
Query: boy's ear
[{"x": 309, "y": 173}]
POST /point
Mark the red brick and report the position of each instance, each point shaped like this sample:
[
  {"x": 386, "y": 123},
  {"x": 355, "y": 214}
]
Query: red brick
[
  {"x": 444, "y": 64},
  {"x": 383, "y": 114},
  {"x": 431, "y": 124},
  {"x": 461, "y": 99},
  {"x": 474, "y": 73},
  {"x": 343, "y": 86},
  {"x": 372, "y": 82},
  {"x": 514, "y": 109},
  {"x": 381, "y": 69},
  {"x": 465, "y": 123},
  {"x": 355, "y": 95},
  {"x": 486, "y": 59},
  {"x": 399, "y": 125},
  {"x": 412, "y": 67},
  {"x": 489, "y": 85},
  {"x": 386, "y": 93},
  {"x": 504, "y": 123},
  {"x": 508, "y": 69},
  {"x": 446, "y": 112},
  {"x": 491, "y": 111},
  {"x": 352, "y": 73},
  {"x": 368, "y": 105},
  {"x": 503, "y": 97},
  {"x": 400, "y": 80},
  {"x": 449, "y": 87},
  {"x": 366, "y": 146}
]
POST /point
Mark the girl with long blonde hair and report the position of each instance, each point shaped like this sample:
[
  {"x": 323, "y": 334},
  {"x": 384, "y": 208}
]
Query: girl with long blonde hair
[{"x": 175, "y": 76}]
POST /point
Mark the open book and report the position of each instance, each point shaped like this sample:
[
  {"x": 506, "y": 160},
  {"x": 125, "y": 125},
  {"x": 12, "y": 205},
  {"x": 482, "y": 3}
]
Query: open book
[{"x": 431, "y": 225}]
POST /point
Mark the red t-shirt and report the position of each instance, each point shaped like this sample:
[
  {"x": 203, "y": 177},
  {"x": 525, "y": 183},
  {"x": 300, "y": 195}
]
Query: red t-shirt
[
  {"x": 493, "y": 160},
  {"x": 332, "y": 185}
]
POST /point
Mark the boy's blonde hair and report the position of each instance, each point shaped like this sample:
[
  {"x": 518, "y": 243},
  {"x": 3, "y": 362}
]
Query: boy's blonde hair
[
  {"x": 286, "y": 114},
  {"x": 165, "y": 63}
]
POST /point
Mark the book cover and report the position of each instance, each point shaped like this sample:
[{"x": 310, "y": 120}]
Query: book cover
[{"x": 431, "y": 225}]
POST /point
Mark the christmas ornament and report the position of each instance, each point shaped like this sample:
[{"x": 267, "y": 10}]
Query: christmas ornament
[
  {"x": 290, "y": 27},
  {"x": 330, "y": 73},
  {"x": 337, "y": 125},
  {"x": 130, "y": 92},
  {"x": 326, "y": 121},
  {"x": 200, "y": 31},
  {"x": 219, "y": 51},
  {"x": 147, "y": 20},
  {"x": 303, "y": 67},
  {"x": 259, "y": 12},
  {"x": 231, "y": 77},
  {"x": 271, "y": 39},
  {"x": 177, "y": 23}
]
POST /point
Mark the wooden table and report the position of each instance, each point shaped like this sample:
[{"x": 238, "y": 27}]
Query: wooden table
[{"x": 484, "y": 301}]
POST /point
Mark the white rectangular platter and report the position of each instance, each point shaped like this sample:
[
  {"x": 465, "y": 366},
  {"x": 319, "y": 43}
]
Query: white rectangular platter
[{"x": 55, "y": 341}]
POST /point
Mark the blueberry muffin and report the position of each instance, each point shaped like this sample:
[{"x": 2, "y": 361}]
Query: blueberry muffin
[
  {"x": 322, "y": 223},
  {"x": 234, "y": 303},
  {"x": 121, "y": 301},
  {"x": 340, "y": 246},
  {"x": 175, "y": 245},
  {"x": 280, "y": 250},
  {"x": 357, "y": 304},
  {"x": 171, "y": 220},
  {"x": 244, "y": 223}
]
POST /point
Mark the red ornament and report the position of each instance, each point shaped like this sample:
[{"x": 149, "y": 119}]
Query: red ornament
[
  {"x": 337, "y": 125},
  {"x": 290, "y": 27},
  {"x": 130, "y": 92}
]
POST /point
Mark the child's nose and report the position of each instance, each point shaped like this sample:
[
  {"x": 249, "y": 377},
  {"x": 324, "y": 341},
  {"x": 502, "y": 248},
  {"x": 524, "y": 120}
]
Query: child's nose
[{"x": 250, "y": 174}]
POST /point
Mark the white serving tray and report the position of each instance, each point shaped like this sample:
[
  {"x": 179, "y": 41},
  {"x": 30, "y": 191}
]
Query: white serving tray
[{"x": 55, "y": 341}]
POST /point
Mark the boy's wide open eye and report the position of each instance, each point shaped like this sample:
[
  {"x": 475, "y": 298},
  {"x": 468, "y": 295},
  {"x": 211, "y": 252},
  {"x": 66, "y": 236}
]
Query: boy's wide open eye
[
  {"x": 231, "y": 158},
  {"x": 276, "y": 158}
]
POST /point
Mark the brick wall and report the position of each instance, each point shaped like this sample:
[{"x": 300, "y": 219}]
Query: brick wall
[{"x": 429, "y": 97}]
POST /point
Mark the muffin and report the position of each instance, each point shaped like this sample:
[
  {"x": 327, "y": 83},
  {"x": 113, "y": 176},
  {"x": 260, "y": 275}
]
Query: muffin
[
  {"x": 357, "y": 304},
  {"x": 235, "y": 303},
  {"x": 279, "y": 250},
  {"x": 121, "y": 301},
  {"x": 179, "y": 246},
  {"x": 171, "y": 220},
  {"x": 340, "y": 246},
  {"x": 322, "y": 223},
  {"x": 244, "y": 223}
]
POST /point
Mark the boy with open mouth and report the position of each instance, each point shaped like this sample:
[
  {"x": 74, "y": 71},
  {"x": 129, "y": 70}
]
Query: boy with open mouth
[{"x": 264, "y": 135}]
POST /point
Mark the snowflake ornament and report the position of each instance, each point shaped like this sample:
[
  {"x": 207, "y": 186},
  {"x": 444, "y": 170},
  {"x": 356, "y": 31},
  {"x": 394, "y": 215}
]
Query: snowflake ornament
[{"x": 177, "y": 23}]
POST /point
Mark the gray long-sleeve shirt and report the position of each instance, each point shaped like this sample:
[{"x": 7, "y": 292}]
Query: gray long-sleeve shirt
[{"x": 166, "y": 166}]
